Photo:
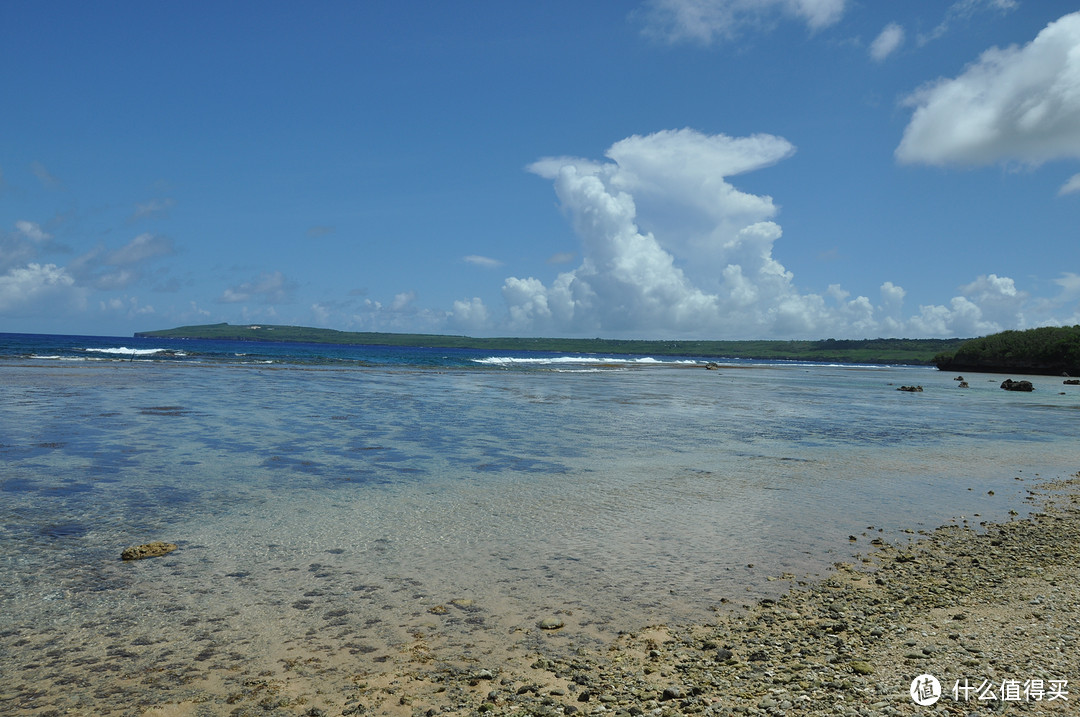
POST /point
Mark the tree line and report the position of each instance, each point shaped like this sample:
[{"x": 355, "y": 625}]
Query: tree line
[{"x": 1050, "y": 350}]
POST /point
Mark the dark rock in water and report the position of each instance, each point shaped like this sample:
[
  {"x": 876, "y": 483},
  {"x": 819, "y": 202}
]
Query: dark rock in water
[
  {"x": 963, "y": 384},
  {"x": 149, "y": 550},
  {"x": 1010, "y": 385},
  {"x": 958, "y": 378},
  {"x": 911, "y": 389},
  {"x": 712, "y": 366},
  {"x": 1072, "y": 382}
]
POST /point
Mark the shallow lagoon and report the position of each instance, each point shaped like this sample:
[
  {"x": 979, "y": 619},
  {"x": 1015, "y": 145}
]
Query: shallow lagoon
[{"x": 344, "y": 514}]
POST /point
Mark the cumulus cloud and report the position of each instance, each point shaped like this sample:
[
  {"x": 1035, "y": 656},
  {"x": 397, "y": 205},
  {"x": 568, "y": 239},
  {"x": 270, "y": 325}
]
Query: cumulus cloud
[
  {"x": 1018, "y": 103},
  {"x": 36, "y": 289},
  {"x": 671, "y": 247},
  {"x": 470, "y": 315},
  {"x": 706, "y": 21},
  {"x": 268, "y": 287},
  {"x": 482, "y": 261},
  {"x": 697, "y": 257},
  {"x": 403, "y": 301},
  {"x": 888, "y": 42}
]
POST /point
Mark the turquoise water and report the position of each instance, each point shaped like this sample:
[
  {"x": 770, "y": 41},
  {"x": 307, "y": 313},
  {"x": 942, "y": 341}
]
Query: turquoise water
[{"x": 339, "y": 505}]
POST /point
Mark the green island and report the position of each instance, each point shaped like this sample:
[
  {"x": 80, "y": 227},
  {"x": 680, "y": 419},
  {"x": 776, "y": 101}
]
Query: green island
[
  {"x": 875, "y": 351},
  {"x": 1049, "y": 351}
]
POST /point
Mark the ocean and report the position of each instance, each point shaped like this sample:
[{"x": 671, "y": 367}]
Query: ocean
[{"x": 361, "y": 509}]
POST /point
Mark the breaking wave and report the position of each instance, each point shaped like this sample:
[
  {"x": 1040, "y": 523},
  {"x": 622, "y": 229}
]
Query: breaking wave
[{"x": 577, "y": 360}]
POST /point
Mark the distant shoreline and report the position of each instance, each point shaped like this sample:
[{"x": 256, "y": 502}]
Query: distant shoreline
[{"x": 876, "y": 351}]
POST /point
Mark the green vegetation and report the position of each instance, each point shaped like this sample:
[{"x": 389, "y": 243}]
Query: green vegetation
[
  {"x": 882, "y": 351},
  {"x": 1052, "y": 350}
]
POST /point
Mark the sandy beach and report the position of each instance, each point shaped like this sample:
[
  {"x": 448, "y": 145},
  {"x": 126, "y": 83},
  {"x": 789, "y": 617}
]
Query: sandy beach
[{"x": 990, "y": 611}]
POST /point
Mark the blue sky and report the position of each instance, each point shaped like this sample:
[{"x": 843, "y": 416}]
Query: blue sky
[{"x": 673, "y": 168}]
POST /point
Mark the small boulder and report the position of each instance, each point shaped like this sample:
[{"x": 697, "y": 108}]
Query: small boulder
[
  {"x": 671, "y": 693},
  {"x": 1072, "y": 382},
  {"x": 911, "y": 389},
  {"x": 551, "y": 623},
  {"x": 149, "y": 550},
  {"x": 860, "y": 667}
]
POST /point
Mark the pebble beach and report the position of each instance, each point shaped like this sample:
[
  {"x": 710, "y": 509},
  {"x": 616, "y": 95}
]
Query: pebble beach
[{"x": 990, "y": 610}]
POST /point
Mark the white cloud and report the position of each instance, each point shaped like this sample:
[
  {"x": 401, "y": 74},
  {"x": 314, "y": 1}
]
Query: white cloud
[
  {"x": 892, "y": 301},
  {"x": 470, "y": 316},
  {"x": 115, "y": 279},
  {"x": 998, "y": 299},
  {"x": 483, "y": 261},
  {"x": 705, "y": 21},
  {"x": 989, "y": 304},
  {"x": 1071, "y": 186},
  {"x": 268, "y": 287},
  {"x": 403, "y": 301},
  {"x": 130, "y": 307},
  {"x": 1017, "y": 103},
  {"x": 671, "y": 248},
  {"x": 140, "y": 249},
  {"x": 1070, "y": 285},
  {"x": 888, "y": 42},
  {"x": 401, "y": 315},
  {"x": 36, "y": 289},
  {"x": 321, "y": 313},
  {"x": 32, "y": 231},
  {"x": 964, "y": 10}
]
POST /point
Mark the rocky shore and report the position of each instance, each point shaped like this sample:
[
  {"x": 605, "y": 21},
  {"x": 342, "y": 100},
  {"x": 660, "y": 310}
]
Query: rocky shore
[{"x": 992, "y": 612}]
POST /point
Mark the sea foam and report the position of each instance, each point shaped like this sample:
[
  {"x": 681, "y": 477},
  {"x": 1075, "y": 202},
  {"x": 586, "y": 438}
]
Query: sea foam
[
  {"x": 125, "y": 351},
  {"x": 588, "y": 360}
]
